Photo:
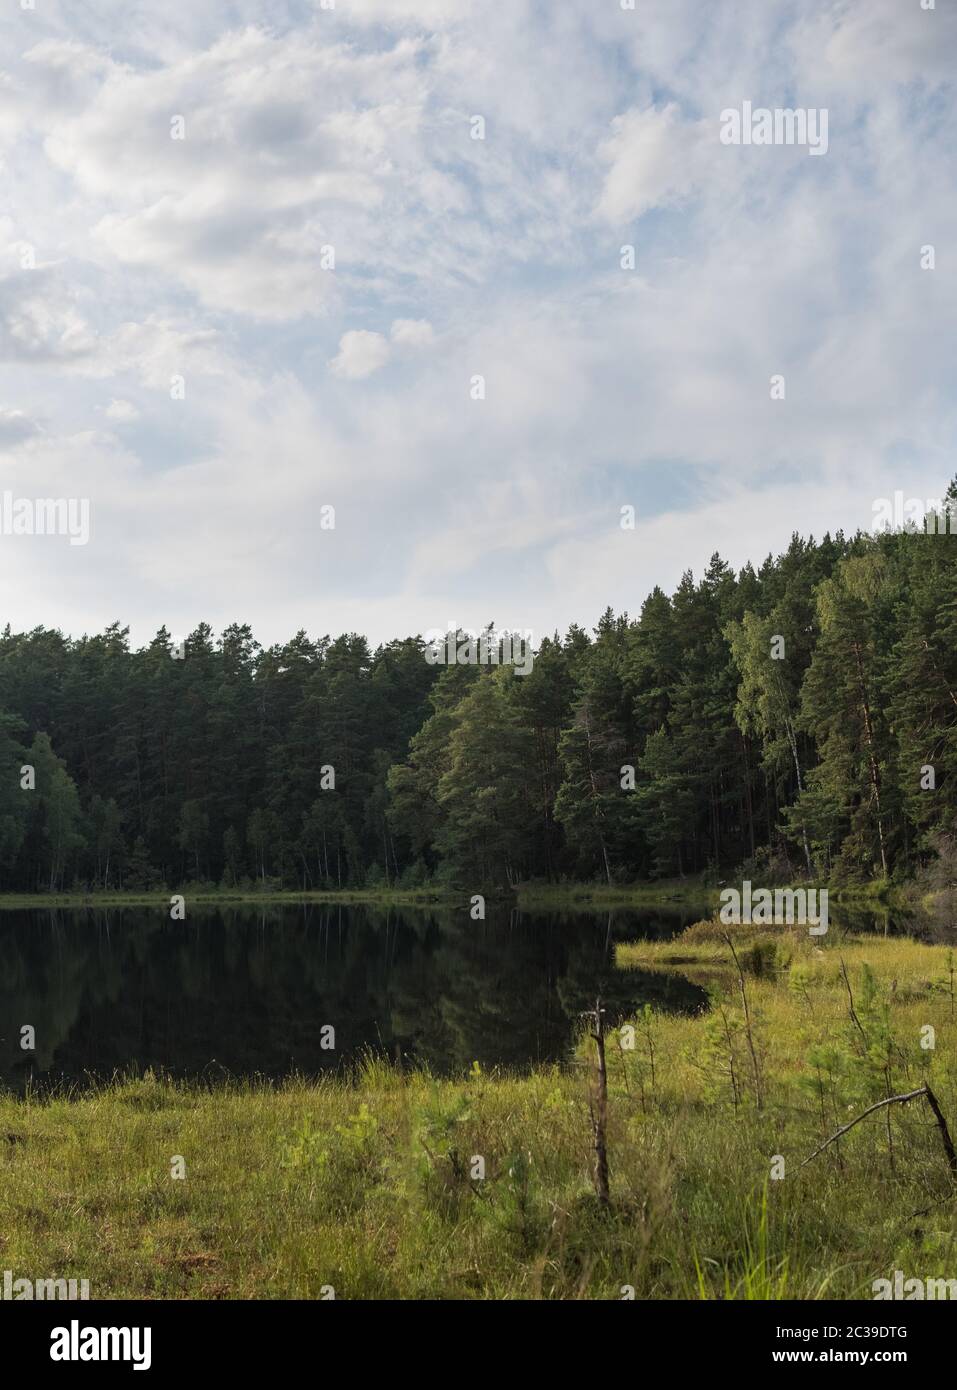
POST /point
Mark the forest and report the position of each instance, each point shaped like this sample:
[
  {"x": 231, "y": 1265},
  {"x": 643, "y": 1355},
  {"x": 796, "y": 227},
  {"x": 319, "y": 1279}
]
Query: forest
[{"x": 798, "y": 718}]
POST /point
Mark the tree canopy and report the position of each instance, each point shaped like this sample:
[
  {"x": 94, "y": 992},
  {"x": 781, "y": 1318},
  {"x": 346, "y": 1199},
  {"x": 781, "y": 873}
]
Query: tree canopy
[{"x": 799, "y": 716}]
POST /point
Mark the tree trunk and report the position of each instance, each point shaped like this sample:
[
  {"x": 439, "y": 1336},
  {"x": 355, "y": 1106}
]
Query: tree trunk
[
  {"x": 597, "y": 801},
  {"x": 600, "y": 1112},
  {"x": 872, "y": 756}
]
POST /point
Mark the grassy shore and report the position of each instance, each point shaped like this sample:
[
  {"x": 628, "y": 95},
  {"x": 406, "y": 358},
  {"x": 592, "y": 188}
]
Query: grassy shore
[
  {"x": 368, "y": 1184},
  {"x": 657, "y": 893},
  {"x": 557, "y": 897},
  {"x": 160, "y": 898},
  {"x": 692, "y": 893}
]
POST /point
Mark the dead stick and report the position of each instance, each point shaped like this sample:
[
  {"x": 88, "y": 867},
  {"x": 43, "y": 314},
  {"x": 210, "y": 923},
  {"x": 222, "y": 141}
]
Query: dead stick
[
  {"x": 599, "y": 1111},
  {"x": 946, "y": 1140},
  {"x": 851, "y": 1009},
  {"x": 758, "y": 1099}
]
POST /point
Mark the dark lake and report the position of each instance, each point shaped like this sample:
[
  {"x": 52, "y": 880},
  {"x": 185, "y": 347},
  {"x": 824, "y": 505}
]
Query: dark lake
[{"x": 248, "y": 991}]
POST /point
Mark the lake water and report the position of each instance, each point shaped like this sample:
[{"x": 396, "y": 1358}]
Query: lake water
[{"x": 248, "y": 992}]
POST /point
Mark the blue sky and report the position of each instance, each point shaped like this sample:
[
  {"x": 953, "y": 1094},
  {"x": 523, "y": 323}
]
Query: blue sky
[{"x": 149, "y": 258}]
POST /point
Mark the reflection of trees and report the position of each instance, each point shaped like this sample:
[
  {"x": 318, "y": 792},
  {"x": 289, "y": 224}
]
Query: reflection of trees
[
  {"x": 251, "y": 989},
  {"x": 512, "y": 989}
]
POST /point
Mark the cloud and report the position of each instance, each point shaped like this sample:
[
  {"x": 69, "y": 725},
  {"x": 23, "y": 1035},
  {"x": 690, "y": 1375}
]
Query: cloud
[
  {"x": 655, "y": 159},
  {"x": 15, "y": 427},
  {"x": 877, "y": 42},
  {"x": 158, "y": 348},
  {"x": 428, "y": 14},
  {"x": 269, "y": 184},
  {"x": 360, "y": 354},
  {"x": 40, "y": 319},
  {"x": 123, "y": 412},
  {"x": 221, "y": 171},
  {"x": 412, "y": 332}
]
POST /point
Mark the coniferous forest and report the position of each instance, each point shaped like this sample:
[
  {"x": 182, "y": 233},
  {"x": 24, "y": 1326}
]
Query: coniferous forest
[{"x": 798, "y": 717}]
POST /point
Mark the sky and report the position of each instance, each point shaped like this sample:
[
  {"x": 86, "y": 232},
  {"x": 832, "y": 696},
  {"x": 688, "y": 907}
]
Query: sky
[{"x": 261, "y": 259}]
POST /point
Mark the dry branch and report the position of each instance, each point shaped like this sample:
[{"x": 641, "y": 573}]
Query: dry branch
[{"x": 931, "y": 1099}]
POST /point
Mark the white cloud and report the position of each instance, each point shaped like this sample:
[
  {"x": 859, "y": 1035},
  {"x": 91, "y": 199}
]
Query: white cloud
[
  {"x": 15, "y": 427},
  {"x": 655, "y": 159},
  {"x": 158, "y": 348},
  {"x": 412, "y": 332},
  {"x": 244, "y": 209},
  {"x": 360, "y": 354},
  {"x": 41, "y": 319},
  {"x": 123, "y": 412},
  {"x": 881, "y": 41},
  {"x": 424, "y": 13}
]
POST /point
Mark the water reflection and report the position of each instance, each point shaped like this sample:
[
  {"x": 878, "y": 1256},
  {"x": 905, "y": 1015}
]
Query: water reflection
[{"x": 248, "y": 991}]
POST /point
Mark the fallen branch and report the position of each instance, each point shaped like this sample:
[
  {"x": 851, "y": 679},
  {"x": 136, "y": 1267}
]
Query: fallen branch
[{"x": 931, "y": 1099}]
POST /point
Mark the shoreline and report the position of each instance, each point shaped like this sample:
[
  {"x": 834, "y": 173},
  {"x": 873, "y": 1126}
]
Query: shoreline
[{"x": 664, "y": 893}]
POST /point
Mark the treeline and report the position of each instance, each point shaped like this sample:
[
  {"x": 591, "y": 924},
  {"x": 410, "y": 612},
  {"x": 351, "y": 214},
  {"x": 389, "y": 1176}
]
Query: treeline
[{"x": 798, "y": 717}]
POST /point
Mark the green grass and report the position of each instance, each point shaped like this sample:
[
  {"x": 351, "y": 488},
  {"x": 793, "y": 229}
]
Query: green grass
[
  {"x": 684, "y": 892},
  {"x": 160, "y": 897},
  {"x": 660, "y": 892},
  {"x": 364, "y": 1183},
  {"x": 555, "y": 896},
  {"x": 544, "y": 896}
]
